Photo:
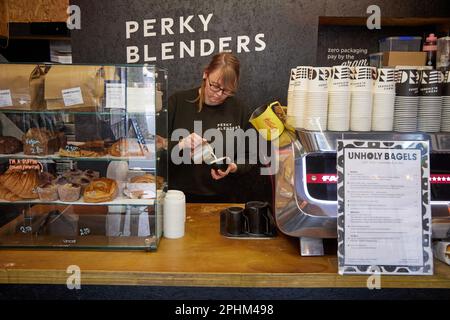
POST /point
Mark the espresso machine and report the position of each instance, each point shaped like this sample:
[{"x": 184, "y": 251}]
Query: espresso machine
[{"x": 305, "y": 203}]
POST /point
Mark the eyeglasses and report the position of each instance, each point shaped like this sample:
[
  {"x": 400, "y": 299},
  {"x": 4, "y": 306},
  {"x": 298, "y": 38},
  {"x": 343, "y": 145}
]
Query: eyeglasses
[{"x": 216, "y": 88}]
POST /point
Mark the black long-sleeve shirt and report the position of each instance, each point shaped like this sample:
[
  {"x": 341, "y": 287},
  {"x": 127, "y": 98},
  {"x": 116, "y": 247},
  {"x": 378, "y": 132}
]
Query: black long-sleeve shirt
[{"x": 196, "y": 178}]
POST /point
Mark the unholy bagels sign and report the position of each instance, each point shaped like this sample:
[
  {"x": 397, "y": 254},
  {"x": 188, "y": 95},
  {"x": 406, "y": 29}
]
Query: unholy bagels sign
[{"x": 167, "y": 49}]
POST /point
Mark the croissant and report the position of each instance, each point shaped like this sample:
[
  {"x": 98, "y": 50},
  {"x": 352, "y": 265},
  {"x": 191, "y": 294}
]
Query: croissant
[
  {"x": 7, "y": 195},
  {"x": 21, "y": 183}
]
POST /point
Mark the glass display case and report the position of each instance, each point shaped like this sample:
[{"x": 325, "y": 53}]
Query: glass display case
[{"x": 83, "y": 156}]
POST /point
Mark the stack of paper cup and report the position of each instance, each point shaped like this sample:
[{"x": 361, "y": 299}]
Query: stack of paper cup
[
  {"x": 430, "y": 101},
  {"x": 361, "y": 98},
  {"x": 383, "y": 100},
  {"x": 290, "y": 98},
  {"x": 300, "y": 95},
  {"x": 317, "y": 100},
  {"x": 174, "y": 214},
  {"x": 445, "y": 124},
  {"x": 339, "y": 99},
  {"x": 406, "y": 100}
]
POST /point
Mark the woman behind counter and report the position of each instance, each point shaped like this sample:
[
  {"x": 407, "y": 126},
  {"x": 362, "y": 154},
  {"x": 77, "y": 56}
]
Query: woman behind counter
[{"x": 214, "y": 104}]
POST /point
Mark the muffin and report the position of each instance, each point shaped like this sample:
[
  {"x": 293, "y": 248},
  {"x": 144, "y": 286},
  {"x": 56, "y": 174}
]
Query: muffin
[
  {"x": 47, "y": 192},
  {"x": 69, "y": 192},
  {"x": 83, "y": 181},
  {"x": 91, "y": 174},
  {"x": 61, "y": 180},
  {"x": 72, "y": 174},
  {"x": 45, "y": 177}
]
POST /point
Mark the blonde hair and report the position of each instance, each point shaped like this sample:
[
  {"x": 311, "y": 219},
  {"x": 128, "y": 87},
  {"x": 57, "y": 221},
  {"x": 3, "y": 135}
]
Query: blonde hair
[{"x": 228, "y": 65}]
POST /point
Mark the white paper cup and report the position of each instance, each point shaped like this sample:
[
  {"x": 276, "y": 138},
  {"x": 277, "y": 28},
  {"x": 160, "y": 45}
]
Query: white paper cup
[
  {"x": 318, "y": 79},
  {"x": 340, "y": 79}
]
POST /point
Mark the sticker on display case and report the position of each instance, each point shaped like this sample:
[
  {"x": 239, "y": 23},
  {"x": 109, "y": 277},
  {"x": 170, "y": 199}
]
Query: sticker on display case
[
  {"x": 384, "y": 212},
  {"x": 5, "y": 98},
  {"x": 72, "y": 96}
]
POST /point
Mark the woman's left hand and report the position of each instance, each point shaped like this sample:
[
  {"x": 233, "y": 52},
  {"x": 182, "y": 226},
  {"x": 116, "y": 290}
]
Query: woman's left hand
[{"x": 219, "y": 174}]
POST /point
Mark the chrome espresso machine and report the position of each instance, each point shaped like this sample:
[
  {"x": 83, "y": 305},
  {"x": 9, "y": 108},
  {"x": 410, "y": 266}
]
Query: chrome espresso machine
[{"x": 306, "y": 184}]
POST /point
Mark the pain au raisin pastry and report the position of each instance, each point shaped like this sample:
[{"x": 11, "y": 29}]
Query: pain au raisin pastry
[
  {"x": 10, "y": 145},
  {"x": 126, "y": 148},
  {"x": 101, "y": 190}
]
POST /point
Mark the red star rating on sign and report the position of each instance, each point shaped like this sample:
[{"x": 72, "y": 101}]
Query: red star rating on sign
[{"x": 440, "y": 178}]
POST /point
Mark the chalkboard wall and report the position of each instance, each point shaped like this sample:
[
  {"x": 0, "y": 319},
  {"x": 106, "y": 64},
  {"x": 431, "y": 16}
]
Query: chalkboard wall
[{"x": 289, "y": 29}]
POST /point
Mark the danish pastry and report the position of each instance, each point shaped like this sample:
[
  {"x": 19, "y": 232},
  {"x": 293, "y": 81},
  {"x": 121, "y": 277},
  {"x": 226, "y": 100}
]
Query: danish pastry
[{"x": 101, "y": 190}]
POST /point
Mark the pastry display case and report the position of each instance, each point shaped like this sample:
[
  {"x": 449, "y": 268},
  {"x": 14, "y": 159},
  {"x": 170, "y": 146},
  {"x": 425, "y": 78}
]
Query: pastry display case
[{"x": 83, "y": 156}]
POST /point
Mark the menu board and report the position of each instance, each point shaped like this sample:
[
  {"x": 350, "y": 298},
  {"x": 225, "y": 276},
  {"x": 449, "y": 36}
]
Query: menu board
[{"x": 384, "y": 214}]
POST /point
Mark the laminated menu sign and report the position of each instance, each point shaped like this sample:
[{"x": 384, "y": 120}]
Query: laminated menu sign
[
  {"x": 115, "y": 95},
  {"x": 384, "y": 214}
]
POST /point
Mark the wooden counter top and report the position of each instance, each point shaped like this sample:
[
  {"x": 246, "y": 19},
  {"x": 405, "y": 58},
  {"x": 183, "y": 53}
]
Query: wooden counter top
[{"x": 201, "y": 258}]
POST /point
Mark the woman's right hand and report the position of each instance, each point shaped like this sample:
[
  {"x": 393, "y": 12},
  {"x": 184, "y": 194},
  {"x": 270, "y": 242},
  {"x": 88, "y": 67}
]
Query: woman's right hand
[{"x": 191, "y": 141}]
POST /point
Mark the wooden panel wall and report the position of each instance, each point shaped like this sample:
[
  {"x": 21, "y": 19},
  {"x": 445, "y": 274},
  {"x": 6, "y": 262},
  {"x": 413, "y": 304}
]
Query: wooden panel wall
[
  {"x": 37, "y": 10},
  {"x": 3, "y": 19}
]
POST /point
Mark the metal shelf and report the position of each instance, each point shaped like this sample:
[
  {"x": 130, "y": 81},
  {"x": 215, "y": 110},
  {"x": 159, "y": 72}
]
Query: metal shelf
[
  {"x": 119, "y": 201},
  {"x": 326, "y": 141}
]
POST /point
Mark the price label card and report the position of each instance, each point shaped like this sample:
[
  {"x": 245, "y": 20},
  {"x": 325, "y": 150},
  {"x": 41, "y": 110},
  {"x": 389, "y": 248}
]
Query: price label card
[
  {"x": 5, "y": 98},
  {"x": 115, "y": 95},
  {"x": 384, "y": 214},
  {"x": 72, "y": 96}
]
